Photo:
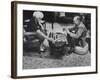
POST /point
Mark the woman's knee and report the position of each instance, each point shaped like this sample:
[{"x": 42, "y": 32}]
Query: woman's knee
[{"x": 46, "y": 43}]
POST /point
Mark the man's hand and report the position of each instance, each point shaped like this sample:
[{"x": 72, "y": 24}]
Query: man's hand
[{"x": 67, "y": 31}]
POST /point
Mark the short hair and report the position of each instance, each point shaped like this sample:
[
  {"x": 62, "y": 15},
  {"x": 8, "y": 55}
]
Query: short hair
[
  {"x": 77, "y": 18},
  {"x": 38, "y": 14}
]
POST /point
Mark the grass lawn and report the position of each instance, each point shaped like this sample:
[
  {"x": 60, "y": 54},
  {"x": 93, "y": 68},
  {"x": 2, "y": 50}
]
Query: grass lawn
[{"x": 33, "y": 61}]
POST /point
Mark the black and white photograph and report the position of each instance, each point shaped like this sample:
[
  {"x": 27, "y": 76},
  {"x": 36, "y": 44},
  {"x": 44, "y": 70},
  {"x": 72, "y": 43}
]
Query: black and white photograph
[{"x": 54, "y": 39}]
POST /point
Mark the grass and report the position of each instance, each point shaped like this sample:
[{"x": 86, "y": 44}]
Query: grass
[{"x": 33, "y": 61}]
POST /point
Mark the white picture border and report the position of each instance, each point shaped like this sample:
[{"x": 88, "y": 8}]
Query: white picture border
[{"x": 49, "y": 71}]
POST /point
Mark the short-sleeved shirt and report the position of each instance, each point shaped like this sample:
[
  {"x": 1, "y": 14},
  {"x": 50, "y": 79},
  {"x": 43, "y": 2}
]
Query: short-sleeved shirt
[{"x": 33, "y": 25}]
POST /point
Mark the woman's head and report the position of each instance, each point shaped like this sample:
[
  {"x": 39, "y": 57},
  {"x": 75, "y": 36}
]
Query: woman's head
[{"x": 38, "y": 15}]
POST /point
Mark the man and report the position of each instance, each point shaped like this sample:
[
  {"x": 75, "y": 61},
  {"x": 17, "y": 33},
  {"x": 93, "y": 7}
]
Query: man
[
  {"x": 77, "y": 39},
  {"x": 36, "y": 27}
]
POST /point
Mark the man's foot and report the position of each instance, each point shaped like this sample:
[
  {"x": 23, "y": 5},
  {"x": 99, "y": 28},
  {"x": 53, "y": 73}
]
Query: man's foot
[{"x": 70, "y": 51}]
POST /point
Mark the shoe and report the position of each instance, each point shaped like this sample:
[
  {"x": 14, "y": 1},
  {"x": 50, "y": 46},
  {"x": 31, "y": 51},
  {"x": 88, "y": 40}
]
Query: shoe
[{"x": 42, "y": 50}]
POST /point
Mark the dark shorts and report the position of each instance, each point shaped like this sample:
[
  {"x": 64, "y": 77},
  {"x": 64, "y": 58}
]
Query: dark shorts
[
  {"x": 72, "y": 42},
  {"x": 39, "y": 37}
]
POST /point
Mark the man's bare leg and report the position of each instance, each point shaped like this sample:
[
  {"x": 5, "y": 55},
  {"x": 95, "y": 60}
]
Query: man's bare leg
[{"x": 82, "y": 50}]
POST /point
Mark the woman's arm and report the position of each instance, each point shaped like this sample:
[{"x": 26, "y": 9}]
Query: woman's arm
[{"x": 44, "y": 36}]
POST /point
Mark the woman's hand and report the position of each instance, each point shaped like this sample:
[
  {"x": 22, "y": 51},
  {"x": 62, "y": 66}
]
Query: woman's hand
[{"x": 52, "y": 40}]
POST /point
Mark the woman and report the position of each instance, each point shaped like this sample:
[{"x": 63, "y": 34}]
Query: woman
[{"x": 37, "y": 29}]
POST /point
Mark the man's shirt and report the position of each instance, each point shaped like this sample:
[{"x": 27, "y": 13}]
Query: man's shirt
[{"x": 79, "y": 30}]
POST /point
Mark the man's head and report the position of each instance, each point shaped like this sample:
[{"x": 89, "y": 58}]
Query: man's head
[{"x": 77, "y": 20}]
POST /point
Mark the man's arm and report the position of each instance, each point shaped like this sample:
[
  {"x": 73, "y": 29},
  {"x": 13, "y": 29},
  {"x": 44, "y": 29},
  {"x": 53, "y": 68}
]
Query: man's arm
[
  {"x": 70, "y": 26},
  {"x": 78, "y": 34}
]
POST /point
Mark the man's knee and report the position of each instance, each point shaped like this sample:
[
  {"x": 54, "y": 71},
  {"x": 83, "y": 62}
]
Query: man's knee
[{"x": 81, "y": 50}]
